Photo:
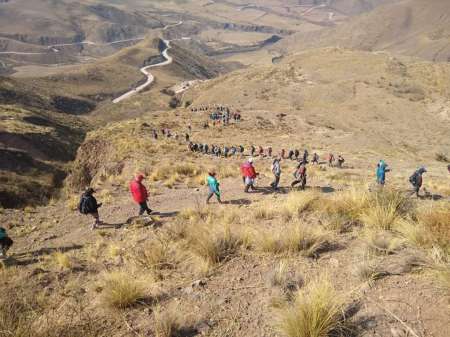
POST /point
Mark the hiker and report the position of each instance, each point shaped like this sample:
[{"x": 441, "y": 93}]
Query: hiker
[
  {"x": 305, "y": 157},
  {"x": 252, "y": 150},
  {"x": 233, "y": 150},
  {"x": 276, "y": 170},
  {"x": 205, "y": 148},
  {"x": 140, "y": 194},
  {"x": 315, "y": 159},
  {"x": 261, "y": 151},
  {"x": 416, "y": 179},
  {"x": 382, "y": 168},
  {"x": 291, "y": 154},
  {"x": 283, "y": 154},
  {"x": 155, "y": 134},
  {"x": 340, "y": 161},
  {"x": 296, "y": 154},
  {"x": 213, "y": 186},
  {"x": 187, "y": 137},
  {"x": 5, "y": 242},
  {"x": 300, "y": 176},
  {"x": 249, "y": 174},
  {"x": 225, "y": 151},
  {"x": 269, "y": 151},
  {"x": 330, "y": 160},
  {"x": 241, "y": 150},
  {"x": 88, "y": 205}
]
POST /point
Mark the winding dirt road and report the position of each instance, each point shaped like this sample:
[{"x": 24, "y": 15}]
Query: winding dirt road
[{"x": 150, "y": 77}]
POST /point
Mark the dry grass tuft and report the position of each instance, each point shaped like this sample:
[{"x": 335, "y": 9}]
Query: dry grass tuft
[
  {"x": 385, "y": 208},
  {"x": 316, "y": 311},
  {"x": 283, "y": 278},
  {"x": 213, "y": 245},
  {"x": 368, "y": 270},
  {"x": 155, "y": 254},
  {"x": 121, "y": 290},
  {"x": 435, "y": 221},
  {"x": 443, "y": 277},
  {"x": 170, "y": 322},
  {"x": 299, "y": 202},
  {"x": 62, "y": 260},
  {"x": 295, "y": 238},
  {"x": 382, "y": 242}
]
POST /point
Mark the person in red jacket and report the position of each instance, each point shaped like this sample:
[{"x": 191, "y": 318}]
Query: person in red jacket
[
  {"x": 249, "y": 173},
  {"x": 140, "y": 194}
]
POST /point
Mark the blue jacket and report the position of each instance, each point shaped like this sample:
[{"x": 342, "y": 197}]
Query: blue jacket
[
  {"x": 213, "y": 184},
  {"x": 3, "y": 233}
]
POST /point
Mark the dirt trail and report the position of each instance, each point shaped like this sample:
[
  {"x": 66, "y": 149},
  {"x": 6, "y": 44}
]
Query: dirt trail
[{"x": 150, "y": 77}]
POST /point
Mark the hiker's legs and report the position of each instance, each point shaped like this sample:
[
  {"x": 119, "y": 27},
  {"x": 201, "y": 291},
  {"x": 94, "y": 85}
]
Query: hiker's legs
[
  {"x": 295, "y": 182},
  {"x": 275, "y": 183},
  {"x": 96, "y": 217},
  {"x": 218, "y": 198},
  {"x": 143, "y": 207},
  {"x": 210, "y": 194}
]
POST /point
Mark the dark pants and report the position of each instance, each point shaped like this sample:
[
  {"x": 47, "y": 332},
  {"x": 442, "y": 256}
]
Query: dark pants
[
  {"x": 275, "y": 183},
  {"x": 211, "y": 194},
  {"x": 416, "y": 189},
  {"x": 301, "y": 181},
  {"x": 143, "y": 207},
  {"x": 6, "y": 243}
]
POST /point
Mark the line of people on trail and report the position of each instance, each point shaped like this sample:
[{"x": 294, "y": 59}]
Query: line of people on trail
[
  {"x": 227, "y": 151},
  {"x": 88, "y": 204},
  {"x": 250, "y": 175},
  {"x": 215, "y": 150}
]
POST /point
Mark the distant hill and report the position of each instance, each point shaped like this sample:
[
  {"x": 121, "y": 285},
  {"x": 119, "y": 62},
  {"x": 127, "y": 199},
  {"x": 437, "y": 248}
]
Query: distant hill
[{"x": 410, "y": 27}]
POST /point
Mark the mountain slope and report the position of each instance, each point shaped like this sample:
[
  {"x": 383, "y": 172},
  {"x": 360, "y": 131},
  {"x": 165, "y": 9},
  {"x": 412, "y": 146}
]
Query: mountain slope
[
  {"x": 337, "y": 98},
  {"x": 37, "y": 140},
  {"x": 410, "y": 27}
]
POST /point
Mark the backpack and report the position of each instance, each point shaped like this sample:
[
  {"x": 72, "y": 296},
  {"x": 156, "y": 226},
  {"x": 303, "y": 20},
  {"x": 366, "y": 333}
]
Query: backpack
[
  {"x": 413, "y": 179},
  {"x": 85, "y": 206}
]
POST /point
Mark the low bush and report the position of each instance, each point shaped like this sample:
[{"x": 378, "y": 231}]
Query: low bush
[
  {"x": 121, "y": 290},
  {"x": 317, "y": 311}
]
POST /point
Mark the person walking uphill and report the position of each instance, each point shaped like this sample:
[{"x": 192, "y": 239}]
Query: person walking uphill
[
  {"x": 416, "y": 179},
  {"x": 249, "y": 173},
  {"x": 276, "y": 170},
  {"x": 300, "y": 176},
  {"x": 213, "y": 186},
  {"x": 88, "y": 205},
  {"x": 382, "y": 168},
  {"x": 140, "y": 194}
]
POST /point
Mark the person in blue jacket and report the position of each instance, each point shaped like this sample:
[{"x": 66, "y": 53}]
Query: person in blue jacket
[
  {"x": 213, "y": 187},
  {"x": 382, "y": 168}
]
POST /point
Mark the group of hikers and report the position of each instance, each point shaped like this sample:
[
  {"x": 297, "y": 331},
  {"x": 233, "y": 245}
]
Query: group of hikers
[
  {"x": 416, "y": 179},
  {"x": 219, "y": 113},
  {"x": 88, "y": 204},
  {"x": 228, "y": 151}
]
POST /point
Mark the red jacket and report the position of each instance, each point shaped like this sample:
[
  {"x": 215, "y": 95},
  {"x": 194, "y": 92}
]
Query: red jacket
[
  {"x": 248, "y": 170},
  {"x": 138, "y": 191}
]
